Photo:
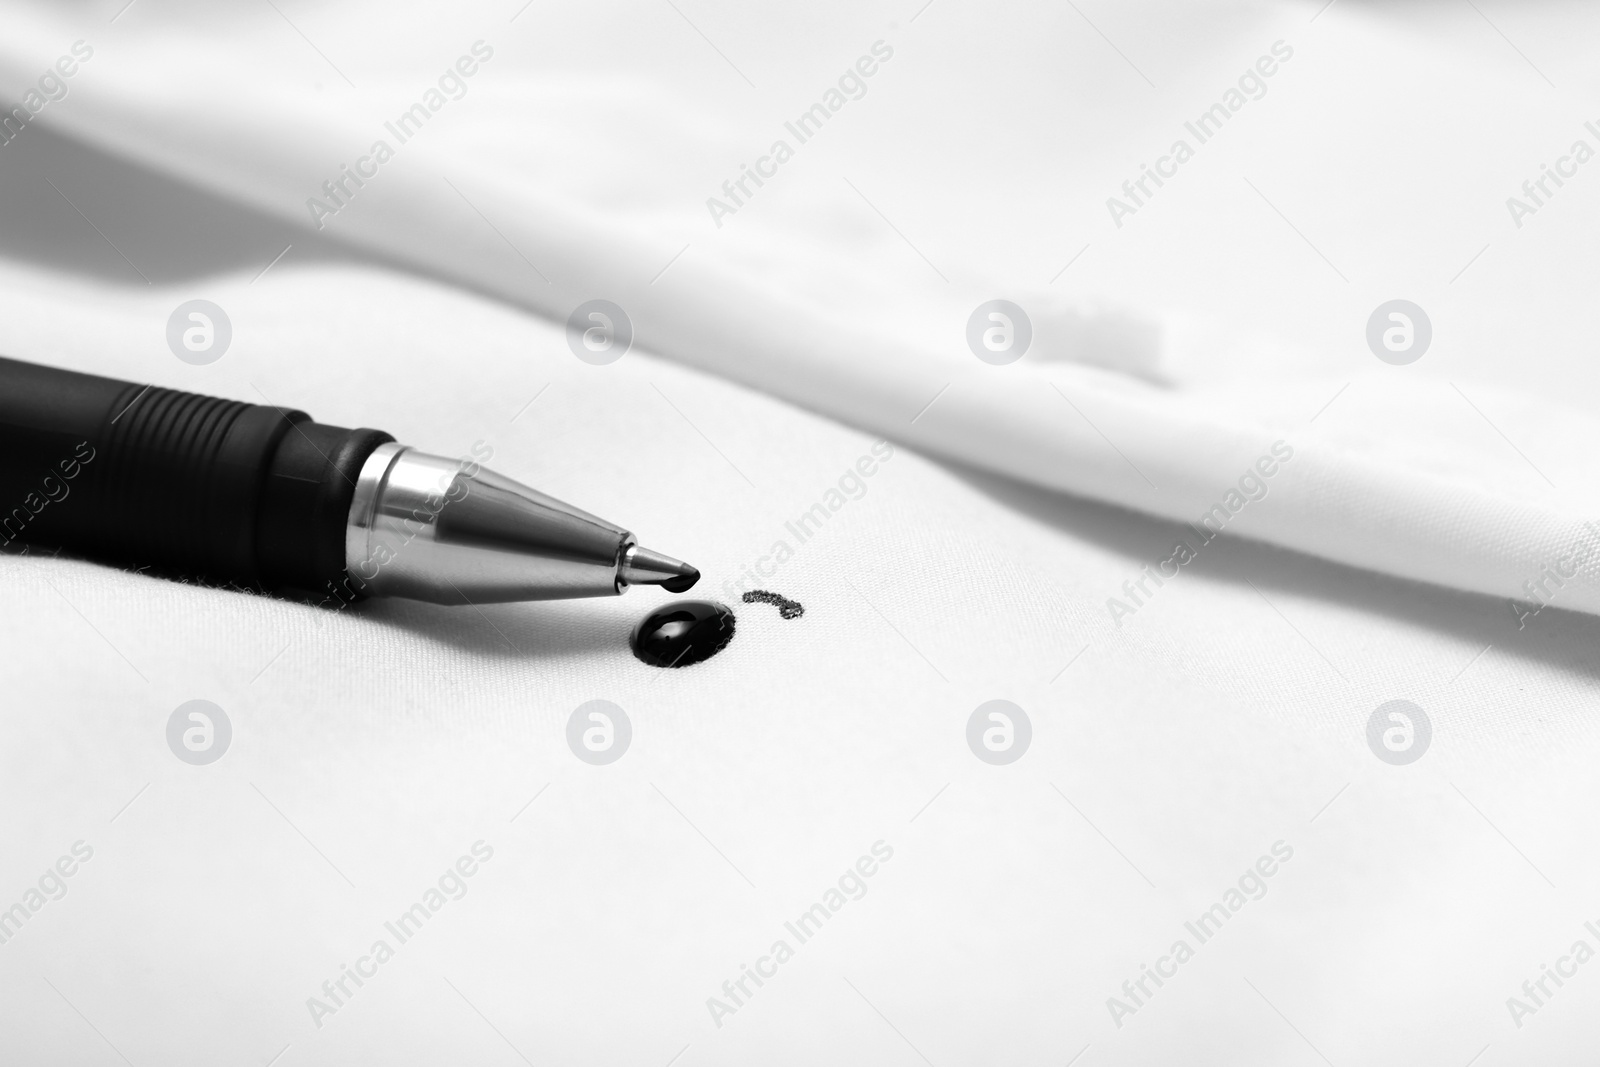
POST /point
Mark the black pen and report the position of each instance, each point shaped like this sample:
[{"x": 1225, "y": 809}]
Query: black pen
[{"x": 266, "y": 498}]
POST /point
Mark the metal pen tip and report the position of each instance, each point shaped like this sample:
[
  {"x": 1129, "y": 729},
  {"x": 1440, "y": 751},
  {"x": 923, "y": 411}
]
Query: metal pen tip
[{"x": 640, "y": 566}]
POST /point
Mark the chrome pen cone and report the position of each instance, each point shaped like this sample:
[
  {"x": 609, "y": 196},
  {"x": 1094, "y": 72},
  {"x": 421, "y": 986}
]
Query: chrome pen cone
[{"x": 450, "y": 532}]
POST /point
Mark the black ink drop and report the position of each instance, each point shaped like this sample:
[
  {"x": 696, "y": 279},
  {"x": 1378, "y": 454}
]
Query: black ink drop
[
  {"x": 789, "y": 609},
  {"x": 681, "y": 584},
  {"x": 682, "y": 633}
]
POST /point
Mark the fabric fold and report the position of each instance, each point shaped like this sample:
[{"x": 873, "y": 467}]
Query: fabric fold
[{"x": 893, "y": 363}]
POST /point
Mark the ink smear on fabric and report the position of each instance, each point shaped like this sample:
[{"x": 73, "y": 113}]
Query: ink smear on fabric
[
  {"x": 683, "y": 632},
  {"x": 789, "y": 609}
]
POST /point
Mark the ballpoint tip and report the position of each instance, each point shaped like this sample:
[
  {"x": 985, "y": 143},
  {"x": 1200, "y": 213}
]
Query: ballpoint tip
[
  {"x": 640, "y": 566},
  {"x": 682, "y": 583}
]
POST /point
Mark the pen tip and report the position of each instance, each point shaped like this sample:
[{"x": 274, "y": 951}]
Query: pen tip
[
  {"x": 640, "y": 566},
  {"x": 682, "y": 583}
]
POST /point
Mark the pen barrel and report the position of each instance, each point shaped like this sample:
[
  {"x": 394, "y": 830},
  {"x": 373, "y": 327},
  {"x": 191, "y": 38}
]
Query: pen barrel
[{"x": 185, "y": 484}]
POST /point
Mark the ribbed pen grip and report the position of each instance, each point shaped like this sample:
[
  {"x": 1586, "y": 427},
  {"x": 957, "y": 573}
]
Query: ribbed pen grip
[
  {"x": 183, "y": 483},
  {"x": 180, "y": 479}
]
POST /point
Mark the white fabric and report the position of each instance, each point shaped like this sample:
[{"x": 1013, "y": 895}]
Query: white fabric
[
  {"x": 372, "y": 748},
  {"x": 395, "y": 735}
]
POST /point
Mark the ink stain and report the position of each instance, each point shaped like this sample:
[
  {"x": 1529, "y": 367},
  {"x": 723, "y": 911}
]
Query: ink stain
[
  {"x": 789, "y": 609},
  {"x": 683, "y": 632}
]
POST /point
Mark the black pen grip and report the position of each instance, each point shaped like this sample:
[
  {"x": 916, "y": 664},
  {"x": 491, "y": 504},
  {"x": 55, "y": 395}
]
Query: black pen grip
[{"x": 186, "y": 484}]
